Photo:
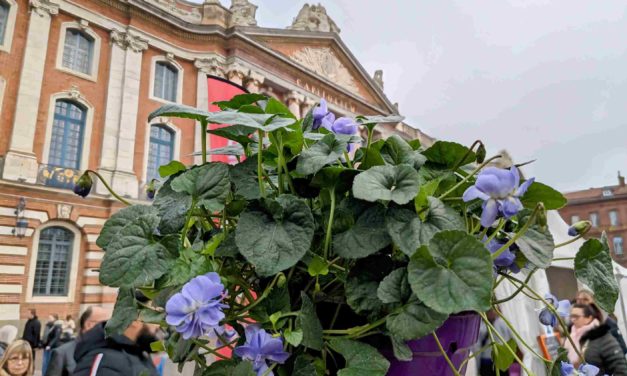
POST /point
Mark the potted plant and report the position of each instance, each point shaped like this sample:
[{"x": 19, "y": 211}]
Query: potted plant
[{"x": 309, "y": 257}]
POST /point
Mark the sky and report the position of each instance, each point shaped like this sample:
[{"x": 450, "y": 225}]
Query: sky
[{"x": 543, "y": 79}]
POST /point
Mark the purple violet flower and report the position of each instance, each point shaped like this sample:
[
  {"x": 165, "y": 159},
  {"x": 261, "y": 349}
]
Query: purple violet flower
[
  {"x": 344, "y": 125},
  {"x": 260, "y": 346},
  {"x": 579, "y": 228},
  {"x": 500, "y": 191},
  {"x": 562, "y": 307},
  {"x": 567, "y": 369},
  {"x": 322, "y": 116},
  {"x": 197, "y": 308},
  {"x": 507, "y": 258}
]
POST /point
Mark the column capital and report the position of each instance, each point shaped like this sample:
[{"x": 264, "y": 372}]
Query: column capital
[
  {"x": 210, "y": 66},
  {"x": 124, "y": 40},
  {"x": 236, "y": 70},
  {"x": 44, "y": 7},
  {"x": 256, "y": 77},
  {"x": 295, "y": 97}
]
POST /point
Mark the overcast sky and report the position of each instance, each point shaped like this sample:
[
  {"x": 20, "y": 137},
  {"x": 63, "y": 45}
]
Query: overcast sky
[{"x": 543, "y": 79}]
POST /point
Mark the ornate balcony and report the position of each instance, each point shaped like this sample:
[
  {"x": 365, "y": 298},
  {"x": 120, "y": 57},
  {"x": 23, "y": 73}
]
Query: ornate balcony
[{"x": 57, "y": 177}]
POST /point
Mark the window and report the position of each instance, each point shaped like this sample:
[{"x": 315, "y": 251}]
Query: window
[
  {"x": 53, "y": 262},
  {"x": 594, "y": 218},
  {"x": 574, "y": 219},
  {"x": 618, "y": 245},
  {"x": 613, "y": 218},
  {"x": 166, "y": 81},
  {"x": 607, "y": 193},
  {"x": 161, "y": 150},
  {"x": 66, "y": 143},
  {"x": 4, "y": 19},
  {"x": 78, "y": 51}
]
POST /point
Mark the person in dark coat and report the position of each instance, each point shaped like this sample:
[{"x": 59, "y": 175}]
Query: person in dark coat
[
  {"x": 125, "y": 354},
  {"x": 62, "y": 358},
  {"x": 587, "y": 297},
  {"x": 32, "y": 331},
  {"x": 52, "y": 339}
]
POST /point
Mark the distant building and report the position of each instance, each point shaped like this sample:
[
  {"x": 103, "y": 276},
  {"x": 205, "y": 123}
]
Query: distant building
[
  {"x": 606, "y": 208},
  {"x": 78, "y": 79}
]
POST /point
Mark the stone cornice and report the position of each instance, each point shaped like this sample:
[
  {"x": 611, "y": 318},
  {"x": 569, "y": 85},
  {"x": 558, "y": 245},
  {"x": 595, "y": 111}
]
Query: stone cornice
[
  {"x": 44, "y": 7},
  {"x": 124, "y": 39}
]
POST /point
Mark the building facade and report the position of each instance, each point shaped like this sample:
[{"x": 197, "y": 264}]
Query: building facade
[
  {"x": 606, "y": 209},
  {"x": 78, "y": 79}
]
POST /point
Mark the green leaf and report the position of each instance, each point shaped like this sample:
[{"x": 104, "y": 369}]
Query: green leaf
[
  {"x": 238, "y": 133},
  {"x": 172, "y": 207},
  {"x": 366, "y": 237},
  {"x": 414, "y": 320},
  {"x": 307, "y": 321},
  {"x": 538, "y": 192},
  {"x": 277, "y": 301},
  {"x": 157, "y": 346},
  {"x": 449, "y": 154},
  {"x": 323, "y": 152},
  {"x": 349, "y": 139},
  {"x": 361, "y": 359},
  {"x": 293, "y": 337},
  {"x": 388, "y": 183},
  {"x": 339, "y": 179},
  {"x": 179, "y": 111},
  {"x": 229, "y": 368},
  {"x": 124, "y": 312},
  {"x": 371, "y": 121},
  {"x": 235, "y": 150},
  {"x": 118, "y": 221},
  {"x": 152, "y": 317},
  {"x": 409, "y": 232},
  {"x": 208, "y": 184},
  {"x": 593, "y": 267},
  {"x": 135, "y": 258},
  {"x": 227, "y": 248},
  {"x": 317, "y": 266},
  {"x": 501, "y": 356},
  {"x": 394, "y": 288},
  {"x": 401, "y": 351},
  {"x": 453, "y": 274},
  {"x": 427, "y": 189},
  {"x": 537, "y": 246},
  {"x": 302, "y": 367},
  {"x": 274, "y": 106},
  {"x": 244, "y": 177},
  {"x": 397, "y": 151},
  {"x": 171, "y": 168},
  {"x": 240, "y": 100},
  {"x": 363, "y": 281},
  {"x": 264, "y": 122},
  {"x": 276, "y": 235}
]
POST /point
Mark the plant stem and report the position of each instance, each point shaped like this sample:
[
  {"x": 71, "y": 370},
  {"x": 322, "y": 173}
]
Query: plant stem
[
  {"x": 203, "y": 139},
  {"x": 569, "y": 241},
  {"x": 327, "y": 238},
  {"x": 563, "y": 258},
  {"x": 485, "y": 163},
  {"x": 489, "y": 324},
  {"x": 520, "y": 233},
  {"x": 262, "y": 188},
  {"x": 370, "y": 132},
  {"x": 348, "y": 159},
  {"x": 104, "y": 182},
  {"x": 188, "y": 219},
  {"x": 518, "y": 290},
  {"x": 518, "y": 336},
  {"x": 465, "y": 155},
  {"x": 496, "y": 231},
  {"x": 288, "y": 177},
  {"x": 212, "y": 351},
  {"x": 448, "y": 360}
]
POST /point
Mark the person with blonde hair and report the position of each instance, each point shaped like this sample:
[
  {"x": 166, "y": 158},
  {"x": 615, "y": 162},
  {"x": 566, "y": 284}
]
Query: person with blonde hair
[{"x": 17, "y": 360}]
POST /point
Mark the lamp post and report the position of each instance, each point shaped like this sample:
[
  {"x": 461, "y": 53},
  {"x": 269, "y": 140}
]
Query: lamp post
[{"x": 21, "y": 224}]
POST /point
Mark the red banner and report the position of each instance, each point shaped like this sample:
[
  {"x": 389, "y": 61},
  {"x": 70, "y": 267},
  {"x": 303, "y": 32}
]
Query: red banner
[{"x": 219, "y": 90}]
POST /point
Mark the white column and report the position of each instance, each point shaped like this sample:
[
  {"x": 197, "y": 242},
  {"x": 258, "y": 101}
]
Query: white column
[
  {"x": 294, "y": 99},
  {"x": 205, "y": 67},
  {"x": 254, "y": 81},
  {"x": 20, "y": 162},
  {"x": 121, "y": 114}
]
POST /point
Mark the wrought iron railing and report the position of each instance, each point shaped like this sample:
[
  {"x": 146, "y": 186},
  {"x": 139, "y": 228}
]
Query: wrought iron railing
[{"x": 57, "y": 177}]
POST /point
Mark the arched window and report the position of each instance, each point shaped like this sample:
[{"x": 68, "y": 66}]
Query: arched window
[
  {"x": 161, "y": 150},
  {"x": 166, "y": 81},
  {"x": 54, "y": 258},
  {"x": 4, "y": 19},
  {"x": 78, "y": 51},
  {"x": 66, "y": 143}
]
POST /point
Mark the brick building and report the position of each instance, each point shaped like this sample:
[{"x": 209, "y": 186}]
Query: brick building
[
  {"x": 606, "y": 208},
  {"x": 78, "y": 79}
]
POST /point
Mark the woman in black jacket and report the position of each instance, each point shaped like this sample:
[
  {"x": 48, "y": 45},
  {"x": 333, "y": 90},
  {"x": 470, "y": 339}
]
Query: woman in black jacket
[{"x": 598, "y": 346}]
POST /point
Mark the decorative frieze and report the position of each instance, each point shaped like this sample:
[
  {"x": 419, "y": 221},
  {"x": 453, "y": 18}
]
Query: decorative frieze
[
  {"x": 125, "y": 39},
  {"x": 44, "y": 8},
  {"x": 324, "y": 62},
  {"x": 210, "y": 66}
]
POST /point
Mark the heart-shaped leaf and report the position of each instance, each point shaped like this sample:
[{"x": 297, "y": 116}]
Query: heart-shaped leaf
[
  {"x": 593, "y": 266},
  {"x": 449, "y": 154},
  {"x": 414, "y": 320},
  {"x": 452, "y": 274},
  {"x": 389, "y": 183},
  {"x": 323, "y": 152},
  {"x": 366, "y": 237},
  {"x": 537, "y": 245},
  {"x": 179, "y": 111},
  {"x": 208, "y": 184},
  {"x": 361, "y": 359},
  {"x": 307, "y": 321},
  {"x": 118, "y": 221},
  {"x": 538, "y": 192}
]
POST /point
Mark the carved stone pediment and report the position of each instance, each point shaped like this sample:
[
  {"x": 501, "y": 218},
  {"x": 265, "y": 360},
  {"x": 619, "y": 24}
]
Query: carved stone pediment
[
  {"x": 314, "y": 18},
  {"x": 243, "y": 13},
  {"x": 193, "y": 15},
  {"x": 324, "y": 62}
]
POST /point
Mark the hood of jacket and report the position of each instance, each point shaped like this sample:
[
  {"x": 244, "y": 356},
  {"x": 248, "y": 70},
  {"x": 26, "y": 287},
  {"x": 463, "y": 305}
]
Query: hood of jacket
[{"x": 96, "y": 339}]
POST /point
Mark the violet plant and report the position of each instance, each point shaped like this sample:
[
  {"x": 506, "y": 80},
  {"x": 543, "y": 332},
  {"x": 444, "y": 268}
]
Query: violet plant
[{"x": 304, "y": 259}]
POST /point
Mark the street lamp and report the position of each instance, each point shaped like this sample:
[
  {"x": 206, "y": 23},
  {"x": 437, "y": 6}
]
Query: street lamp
[{"x": 21, "y": 224}]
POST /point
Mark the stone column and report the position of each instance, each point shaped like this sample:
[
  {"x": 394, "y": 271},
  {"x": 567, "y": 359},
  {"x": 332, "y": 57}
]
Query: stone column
[
  {"x": 306, "y": 105},
  {"x": 121, "y": 114},
  {"x": 254, "y": 81},
  {"x": 293, "y": 100},
  {"x": 20, "y": 162},
  {"x": 205, "y": 67}
]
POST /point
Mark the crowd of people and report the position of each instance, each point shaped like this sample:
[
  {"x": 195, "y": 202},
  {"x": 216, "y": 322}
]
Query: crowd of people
[
  {"x": 88, "y": 352},
  {"x": 595, "y": 336}
]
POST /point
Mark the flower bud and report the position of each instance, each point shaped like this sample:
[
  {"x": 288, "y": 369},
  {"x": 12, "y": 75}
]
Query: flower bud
[
  {"x": 281, "y": 281},
  {"x": 480, "y": 153},
  {"x": 83, "y": 185},
  {"x": 579, "y": 228},
  {"x": 151, "y": 190},
  {"x": 541, "y": 218}
]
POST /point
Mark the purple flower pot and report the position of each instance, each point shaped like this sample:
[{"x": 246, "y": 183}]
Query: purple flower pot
[{"x": 458, "y": 334}]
